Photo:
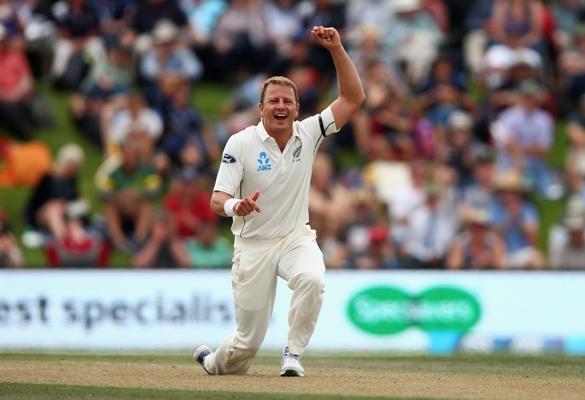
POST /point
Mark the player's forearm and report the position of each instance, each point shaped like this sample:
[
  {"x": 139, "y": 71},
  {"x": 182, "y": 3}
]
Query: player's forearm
[
  {"x": 350, "y": 85},
  {"x": 218, "y": 200}
]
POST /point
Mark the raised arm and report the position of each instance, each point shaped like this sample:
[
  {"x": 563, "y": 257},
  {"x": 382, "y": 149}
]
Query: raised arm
[{"x": 351, "y": 93}]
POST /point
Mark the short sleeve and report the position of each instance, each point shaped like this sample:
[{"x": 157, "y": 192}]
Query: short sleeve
[
  {"x": 231, "y": 168},
  {"x": 327, "y": 122}
]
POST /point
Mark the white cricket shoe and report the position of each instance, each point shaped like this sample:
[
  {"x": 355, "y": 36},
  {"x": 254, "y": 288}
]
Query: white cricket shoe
[
  {"x": 199, "y": 355},
  {"x": 290, "y": 364}
]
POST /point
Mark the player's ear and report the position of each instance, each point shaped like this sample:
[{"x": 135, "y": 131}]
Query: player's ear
[{"x": 261, "y": 107}]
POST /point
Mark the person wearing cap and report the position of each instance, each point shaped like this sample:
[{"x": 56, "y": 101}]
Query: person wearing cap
[
  {"x": 55, "y": 204},
  {"x": 516, "y": 220},
  {"x": 478, "y": 246},
  {"x": 263, "y": 184},
  {"x": 525, "y": 137},
  {"x": 167, "y": 60},
  {"x": 459, "y": 146},
  {"x": 568, "y": 252}
]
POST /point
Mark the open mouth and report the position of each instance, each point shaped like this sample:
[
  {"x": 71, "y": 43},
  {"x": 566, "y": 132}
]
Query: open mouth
[{"x": 280, "y": 117}]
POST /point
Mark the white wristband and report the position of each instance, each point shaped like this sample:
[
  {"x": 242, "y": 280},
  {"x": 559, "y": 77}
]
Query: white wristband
[{"x": 229, "y": 205}]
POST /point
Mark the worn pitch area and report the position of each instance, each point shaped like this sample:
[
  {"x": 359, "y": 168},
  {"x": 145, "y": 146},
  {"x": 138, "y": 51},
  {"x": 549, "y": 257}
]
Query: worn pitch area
[{"x": 328, "y": 376}]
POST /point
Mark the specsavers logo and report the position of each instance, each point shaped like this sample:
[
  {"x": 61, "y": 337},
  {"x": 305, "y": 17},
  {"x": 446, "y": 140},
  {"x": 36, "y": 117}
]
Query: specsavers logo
[{"x": 385, "y": 310}]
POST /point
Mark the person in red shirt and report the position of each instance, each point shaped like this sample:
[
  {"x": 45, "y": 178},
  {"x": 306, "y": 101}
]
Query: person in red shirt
[
  {"x": 16, "y": 87},
  {"x": 188, "y": 203}
]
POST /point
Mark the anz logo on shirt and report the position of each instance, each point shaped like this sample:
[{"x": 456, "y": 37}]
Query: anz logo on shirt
[{"x": 263, "y": 162}]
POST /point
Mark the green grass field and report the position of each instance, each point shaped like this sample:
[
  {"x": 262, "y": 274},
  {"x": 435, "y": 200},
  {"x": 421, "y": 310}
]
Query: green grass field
[{"x": 43, "y": 376}]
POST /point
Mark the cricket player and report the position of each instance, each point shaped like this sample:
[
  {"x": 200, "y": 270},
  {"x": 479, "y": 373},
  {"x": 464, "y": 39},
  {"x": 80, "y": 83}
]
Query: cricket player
[{"x": 263, "y": 183}]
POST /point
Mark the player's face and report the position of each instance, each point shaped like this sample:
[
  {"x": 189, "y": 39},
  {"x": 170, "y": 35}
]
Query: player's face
[{"x": 279, "y": 109}]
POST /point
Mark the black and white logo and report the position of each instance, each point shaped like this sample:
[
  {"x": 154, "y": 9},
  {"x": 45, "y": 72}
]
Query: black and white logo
[
  {"x": 297, "y": 153},
  {"x": 228, "y": 159}
]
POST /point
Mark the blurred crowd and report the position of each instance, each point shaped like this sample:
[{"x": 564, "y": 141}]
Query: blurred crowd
[{"x": 442, "y": 168}]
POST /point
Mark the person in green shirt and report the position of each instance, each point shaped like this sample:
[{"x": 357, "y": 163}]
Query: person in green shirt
[
  {"x": 128, "y": 190},
  {"x": 208, "y": 250}
]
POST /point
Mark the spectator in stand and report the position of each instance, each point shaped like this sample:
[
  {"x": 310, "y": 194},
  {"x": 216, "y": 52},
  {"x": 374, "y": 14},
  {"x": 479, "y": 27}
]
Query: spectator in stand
[
  {"x": 202, "y": 16},
  {"x": 114, "y": 17},
  {"x": 572, "y": 66},
  {"x": 78, "y": 45},
  {"x": 475, "y": 41},
  {"x": 209, "y": 250},
  {"x": 148, "y": 14},
  {"x": 569, "y": 252},
  {"x": 379, "y": 253},
  {"x": 478, "y": 246},
  {"x": 161, "y": 248},
  {"x": 55, "y": 204},
  {"x": 414, "y": 38},
  {"x": 408, "y": 198},
  {"x": 184, "y": 126},
  {"x": 366, "y": 14},
  {"x": 16, "y": 88},
  {"x": 576, "y": 154},
  {"x": 128, "y": 190},
  {"x": 524, "y": 65},
  {"x": 458, "y": 147},
  {"x": 283, "y": 22},
  {"x": 516, "y": 220},
  {"x": 329, "y": 200},
  {"x": 167, "y": 60},
  {"x": 10, "y": 253},
  {"x": 430, "y": 231},
  {"x": 367, "y": 214},
  {"x": 241, "y": 39},
  {"x": 112, "y": 74},
  {"x": 444, "y": 92},
  {"x": 524, "y": 137},
  {"x": 129, "y": 116},
  {"x": 568, "y": 15},
  {"x": 479, "y": 194},
  {"x": 108, "y": 77},
  {"x": 518, "y": 23},
  {"x": 187, "y": 203}
]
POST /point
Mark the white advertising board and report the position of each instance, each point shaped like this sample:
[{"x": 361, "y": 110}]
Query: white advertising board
[{"x": 436, "y": 312}]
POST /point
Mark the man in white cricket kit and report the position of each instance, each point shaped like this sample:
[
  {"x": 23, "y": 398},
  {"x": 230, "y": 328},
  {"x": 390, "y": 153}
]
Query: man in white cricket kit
[{"x": 263, "y": 183}]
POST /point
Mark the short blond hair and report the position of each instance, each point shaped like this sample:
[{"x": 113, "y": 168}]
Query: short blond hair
[{"x": 281, "y": 81}]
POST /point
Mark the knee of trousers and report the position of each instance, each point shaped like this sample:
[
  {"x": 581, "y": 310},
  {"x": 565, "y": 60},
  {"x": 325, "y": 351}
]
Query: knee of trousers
[{"x": 311, "y": 281}]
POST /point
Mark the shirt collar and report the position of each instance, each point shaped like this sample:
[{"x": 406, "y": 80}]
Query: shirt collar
[{"x": 264, "y": 135}]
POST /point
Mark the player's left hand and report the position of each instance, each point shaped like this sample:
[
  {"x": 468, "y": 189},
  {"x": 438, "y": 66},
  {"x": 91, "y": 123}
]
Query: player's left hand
[{"x": 326, "y": 37}]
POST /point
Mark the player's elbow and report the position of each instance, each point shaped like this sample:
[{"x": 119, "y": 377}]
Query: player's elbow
[{"x": 360, "y": 98}]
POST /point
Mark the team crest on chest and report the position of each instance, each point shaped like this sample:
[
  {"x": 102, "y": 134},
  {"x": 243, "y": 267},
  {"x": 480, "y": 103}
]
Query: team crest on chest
[
  {"x": 297, "y": 153},
  {"x": 263, "y": 162}
]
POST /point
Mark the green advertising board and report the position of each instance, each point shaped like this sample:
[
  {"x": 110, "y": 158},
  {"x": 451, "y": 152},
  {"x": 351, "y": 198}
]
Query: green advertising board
[{"x": 387, "y": 310}]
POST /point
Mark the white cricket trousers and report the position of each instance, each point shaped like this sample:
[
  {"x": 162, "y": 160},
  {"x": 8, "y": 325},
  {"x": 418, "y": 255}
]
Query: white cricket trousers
[{"x": 256, "y": 265}]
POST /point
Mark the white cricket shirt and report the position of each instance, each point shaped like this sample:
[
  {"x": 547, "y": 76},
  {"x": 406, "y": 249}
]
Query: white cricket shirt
[{"x": 252, "y": 161}]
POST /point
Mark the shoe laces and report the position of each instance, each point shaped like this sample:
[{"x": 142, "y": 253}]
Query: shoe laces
[{"x": 287, "y": 354}]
